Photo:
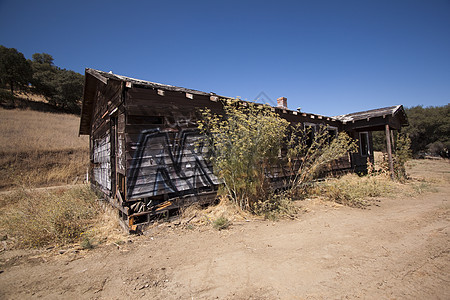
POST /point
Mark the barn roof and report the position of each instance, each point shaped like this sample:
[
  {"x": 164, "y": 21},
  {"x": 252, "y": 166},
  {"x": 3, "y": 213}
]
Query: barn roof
[
  {"x": 145, "y": 83},
  {"x": 93, "y": 77},
  {"x": 396, "y": 110}
]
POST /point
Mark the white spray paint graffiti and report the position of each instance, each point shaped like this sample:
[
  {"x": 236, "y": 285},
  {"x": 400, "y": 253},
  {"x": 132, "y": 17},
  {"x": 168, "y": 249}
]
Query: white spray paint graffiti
[{"x": 102, "y": 162}]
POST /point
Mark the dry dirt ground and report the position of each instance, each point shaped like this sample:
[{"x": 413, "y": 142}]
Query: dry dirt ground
[{"x": 397, "y": 249}]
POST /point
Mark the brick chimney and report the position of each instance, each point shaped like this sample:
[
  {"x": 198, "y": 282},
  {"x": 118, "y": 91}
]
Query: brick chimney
[{"x": 282, "y": 102}]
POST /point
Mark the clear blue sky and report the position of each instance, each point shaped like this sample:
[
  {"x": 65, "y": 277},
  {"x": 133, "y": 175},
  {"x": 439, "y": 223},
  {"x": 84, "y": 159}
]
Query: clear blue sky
[{"x": 326, "y": 56}]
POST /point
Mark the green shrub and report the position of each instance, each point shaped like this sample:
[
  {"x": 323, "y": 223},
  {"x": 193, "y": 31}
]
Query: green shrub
[
  {"x": 86, "y": 242},
  {"x": 275, "y": 207},
  {"x": 221, "y": 223},
  {"x": 402, "y": 154},
  {"x": 308, "y": 157},
  {"x": 251, "y": 140},
  {"x": 242, "y": 145}
]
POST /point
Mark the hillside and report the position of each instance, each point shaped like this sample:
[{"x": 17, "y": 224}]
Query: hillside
[{"x": 40, "y": 149}]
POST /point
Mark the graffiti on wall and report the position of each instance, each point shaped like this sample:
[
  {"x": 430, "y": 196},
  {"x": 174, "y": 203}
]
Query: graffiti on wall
[
  {"x": 102, "y": 162},
  {"x": 168, "y": 163},
  {"x": 120, "y": 153}
]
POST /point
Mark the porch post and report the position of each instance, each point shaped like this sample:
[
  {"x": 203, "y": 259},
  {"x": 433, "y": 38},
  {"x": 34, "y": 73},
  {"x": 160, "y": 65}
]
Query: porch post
[
  {"x": 392, "y": 141},
  {"x": 389, "y": 151}
]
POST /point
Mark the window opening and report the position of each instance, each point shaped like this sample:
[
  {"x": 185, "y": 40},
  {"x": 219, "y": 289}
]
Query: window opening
[
  {"x": 364, "y": 143},
  {"x": 310, "y": 130},
  {"x": 332, "y": 133}
]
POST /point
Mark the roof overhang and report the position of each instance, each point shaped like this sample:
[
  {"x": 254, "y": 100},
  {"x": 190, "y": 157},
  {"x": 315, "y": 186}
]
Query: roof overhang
[
  {"x": 375, "y": 119},
  {"x": 370, "y": 120},
  {"x": 91, "y": 79}
]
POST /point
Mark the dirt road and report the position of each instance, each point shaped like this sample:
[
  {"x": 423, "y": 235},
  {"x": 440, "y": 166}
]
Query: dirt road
[{"x": 396, "y": 250}]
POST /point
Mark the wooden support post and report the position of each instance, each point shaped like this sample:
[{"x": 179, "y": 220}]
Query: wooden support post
[
  {"x": 389, "y": 151},
  {"x": 392, "y": 141}
]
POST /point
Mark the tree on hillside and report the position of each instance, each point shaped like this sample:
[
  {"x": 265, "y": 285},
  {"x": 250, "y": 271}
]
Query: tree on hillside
[
  {"x": 62, "y": 88},
  {"x": 69, "y": 90},
  {"x": 44, "y": 75},
  {"x": 15, "y": 70},
  {"x": 43, "y": 58},
  {"x": 429, "y": 129}
]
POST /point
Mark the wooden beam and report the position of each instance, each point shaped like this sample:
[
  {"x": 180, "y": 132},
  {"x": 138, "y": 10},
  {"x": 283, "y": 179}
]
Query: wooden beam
[
  {"x": 98, "y": 76},
  {"x": 392, "y": 141},
  {"x": 389, "y": 151}
]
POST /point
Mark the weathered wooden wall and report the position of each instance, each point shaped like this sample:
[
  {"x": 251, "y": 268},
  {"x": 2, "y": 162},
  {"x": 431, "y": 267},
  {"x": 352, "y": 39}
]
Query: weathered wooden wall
[
  {"x": 163, "y": 153},
  {"x": 164, "y": 156},
  {"x": 108, "y": 97}
]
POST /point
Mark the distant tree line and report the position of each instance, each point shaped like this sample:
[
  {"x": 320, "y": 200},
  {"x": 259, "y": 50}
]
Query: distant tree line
[
  {"x": 62, "y": 88},
  {"x": 429, "y": 131}
]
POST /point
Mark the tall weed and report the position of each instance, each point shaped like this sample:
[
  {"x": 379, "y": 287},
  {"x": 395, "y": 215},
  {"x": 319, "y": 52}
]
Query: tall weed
[
  {"x": 242, "y": 145},
  {"x": 308, "y": 157},
  {"x": 251, "y": 144}
]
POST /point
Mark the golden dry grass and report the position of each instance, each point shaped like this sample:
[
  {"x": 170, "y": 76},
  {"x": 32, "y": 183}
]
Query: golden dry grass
[
  {"x": 42, "y": 168},
  {"x": 67, "y": 216},
  {"x": 39, "y": 218},
  {"x": 353, "y": 190},
  {"x": 41, "y": 149},
  {"x": 31, "y": 97},
  {"x": 25, "y": 130},
  {"x": 206, "y": 216}
]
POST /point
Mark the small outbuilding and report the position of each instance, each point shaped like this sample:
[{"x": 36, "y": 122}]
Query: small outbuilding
[{"x": 145, "y": 158}]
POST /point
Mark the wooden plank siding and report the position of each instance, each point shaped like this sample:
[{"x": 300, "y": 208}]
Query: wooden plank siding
[
  {"x": 163, "y": 154},
  {"x": 146, "y": 152},
  {"x": 108, "y": 98}
]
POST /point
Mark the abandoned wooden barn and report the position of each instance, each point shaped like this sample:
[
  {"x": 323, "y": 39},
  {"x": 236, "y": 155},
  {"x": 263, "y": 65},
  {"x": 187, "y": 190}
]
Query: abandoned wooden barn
[{"x": 143, "y": 141}]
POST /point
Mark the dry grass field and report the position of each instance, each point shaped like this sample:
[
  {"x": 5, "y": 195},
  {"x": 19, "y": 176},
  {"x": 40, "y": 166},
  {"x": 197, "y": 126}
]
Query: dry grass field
[
  {"x": 26, "y": 131},
  {"x": 40, "y": 149}
]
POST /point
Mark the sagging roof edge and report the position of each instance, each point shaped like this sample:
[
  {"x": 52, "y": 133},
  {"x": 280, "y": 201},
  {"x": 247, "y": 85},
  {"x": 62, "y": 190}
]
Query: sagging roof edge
[
  {"x": 86, "y": 107},
  {"x": 89, "y": 94},
  {"x": 376, "y": 113}
]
